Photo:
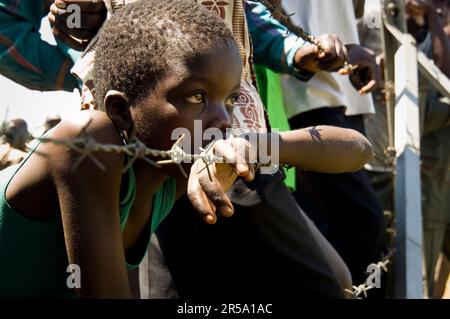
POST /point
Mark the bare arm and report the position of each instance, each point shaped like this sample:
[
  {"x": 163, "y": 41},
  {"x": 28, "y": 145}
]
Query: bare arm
[
  {"x": 325, "y": 149},
  {"x": 89, "y": 204}
]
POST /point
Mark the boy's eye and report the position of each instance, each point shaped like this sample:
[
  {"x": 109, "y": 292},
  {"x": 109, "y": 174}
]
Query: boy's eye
[
  {"x": 232, "y": 100},
  {"x": 196, "y": 98}
]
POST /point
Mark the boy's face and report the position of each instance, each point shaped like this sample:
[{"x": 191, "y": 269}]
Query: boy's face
[{"x": 201, "y": 88}]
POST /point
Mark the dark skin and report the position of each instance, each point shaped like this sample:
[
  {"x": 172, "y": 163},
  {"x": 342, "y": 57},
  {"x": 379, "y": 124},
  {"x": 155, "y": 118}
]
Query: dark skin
[
  {"x": 309, "y": 58},
  {"x": 17, "y": 132},
  {"x": 443, "y": 10},
  {"x": 92, "y": 17},
  {"x": 87, "y": 199},
  {"x": 432, "y": 16},
  {"x": 367, "y": 75},
  {"x": 48, "y": 186}
]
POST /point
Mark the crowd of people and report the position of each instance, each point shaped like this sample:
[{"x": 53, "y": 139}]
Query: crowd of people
[{"x": 147, "y": 67}]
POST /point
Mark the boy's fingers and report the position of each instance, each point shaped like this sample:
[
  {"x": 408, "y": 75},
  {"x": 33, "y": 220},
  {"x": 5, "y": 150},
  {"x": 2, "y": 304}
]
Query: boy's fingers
[
  {"x": 200, "y": 201},
  {"x": 251, "y": 174},
  {"x": 215, "y": 193},
  {"x": 231, "y": 156}
]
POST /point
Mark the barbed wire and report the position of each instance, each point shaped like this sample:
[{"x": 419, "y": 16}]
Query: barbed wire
[
  {"x": 381, "y": 266},
  {"x": 86, "y": 146},
  {"x": 297, "y": 30}
]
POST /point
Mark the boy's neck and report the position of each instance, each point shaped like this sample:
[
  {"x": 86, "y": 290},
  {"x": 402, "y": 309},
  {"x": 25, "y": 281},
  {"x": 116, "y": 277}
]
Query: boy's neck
[{"x": 148, "y": 179}]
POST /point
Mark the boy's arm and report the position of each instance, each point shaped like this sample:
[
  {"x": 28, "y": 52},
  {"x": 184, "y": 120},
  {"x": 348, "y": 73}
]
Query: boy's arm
[
  {"x": 24, "y": 57},
  {"x": 325, "y": 149},
  {"x": 89, "y": 204}
]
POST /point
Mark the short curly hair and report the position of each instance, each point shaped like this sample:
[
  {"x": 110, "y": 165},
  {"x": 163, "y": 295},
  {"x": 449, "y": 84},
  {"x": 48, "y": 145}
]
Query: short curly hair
[{"x": 143, "y": 40}]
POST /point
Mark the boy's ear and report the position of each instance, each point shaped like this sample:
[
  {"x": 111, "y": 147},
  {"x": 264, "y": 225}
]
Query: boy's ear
[{"x": 118, "y": 110}]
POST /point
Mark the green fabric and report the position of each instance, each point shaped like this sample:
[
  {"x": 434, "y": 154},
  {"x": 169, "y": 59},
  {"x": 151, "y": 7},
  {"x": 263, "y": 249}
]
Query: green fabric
[
  {"x": 33, "y": 257},
  {"x": 272, "y": 96},
  {"x": 27, "y": 59}
]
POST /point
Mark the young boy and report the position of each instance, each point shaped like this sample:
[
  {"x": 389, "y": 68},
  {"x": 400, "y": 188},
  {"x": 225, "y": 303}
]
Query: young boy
[
  {"x": 159, "y": 66},
  {"x": 275, "y": 228},
  {"x": 52, "y": 215}
]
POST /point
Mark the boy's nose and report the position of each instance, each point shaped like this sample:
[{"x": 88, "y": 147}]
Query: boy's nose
[{"x": 220, "y": 117}]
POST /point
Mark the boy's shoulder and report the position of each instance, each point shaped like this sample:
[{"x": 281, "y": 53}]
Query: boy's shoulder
[
  {"x": 95, "y": 124},
  {"x": 91, "y": 124}
]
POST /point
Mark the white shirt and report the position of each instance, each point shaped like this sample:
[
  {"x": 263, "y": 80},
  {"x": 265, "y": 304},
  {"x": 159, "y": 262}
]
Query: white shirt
[{"x": 325, "y": 89}]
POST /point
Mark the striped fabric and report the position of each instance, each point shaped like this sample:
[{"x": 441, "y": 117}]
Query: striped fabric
[{"x": 24, "y": 57}]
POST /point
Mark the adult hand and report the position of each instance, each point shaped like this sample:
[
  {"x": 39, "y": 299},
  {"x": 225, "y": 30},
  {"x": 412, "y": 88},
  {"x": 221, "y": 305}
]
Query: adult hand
[
  {"x": 367, "y": 75},
  {"x": 207, "y": 187},
  {"x": 331, "y": 59},
  {"x": 62, "y": 19}
]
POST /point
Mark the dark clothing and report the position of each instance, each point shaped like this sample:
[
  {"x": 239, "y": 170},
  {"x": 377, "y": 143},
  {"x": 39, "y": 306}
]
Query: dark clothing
[
  {"x": 265, "y": 250},
  {"x": 343, "y": 206}
]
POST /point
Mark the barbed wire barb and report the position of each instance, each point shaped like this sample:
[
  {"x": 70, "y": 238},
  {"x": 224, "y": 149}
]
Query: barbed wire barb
[{"x": 86, "y": 146}]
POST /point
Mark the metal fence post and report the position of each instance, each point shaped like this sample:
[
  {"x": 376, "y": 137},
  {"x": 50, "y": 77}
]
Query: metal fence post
[
  {"x": 408, "y": 210},
  {"x": 402, "y": 69}
]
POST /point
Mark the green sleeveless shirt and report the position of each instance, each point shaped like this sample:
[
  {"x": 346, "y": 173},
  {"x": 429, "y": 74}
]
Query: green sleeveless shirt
[{"x": 33, "y": 257}]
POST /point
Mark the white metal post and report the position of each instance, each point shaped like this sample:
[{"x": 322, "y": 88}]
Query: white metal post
[{"x": 408, "y": 210}]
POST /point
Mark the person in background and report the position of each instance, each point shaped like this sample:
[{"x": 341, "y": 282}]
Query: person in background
[
  {"x": 25, "y": 57},
  {"x": 429, "y": 23},
  {"x": 343, "y": 206},
  {"x": 14, "y": 144}
]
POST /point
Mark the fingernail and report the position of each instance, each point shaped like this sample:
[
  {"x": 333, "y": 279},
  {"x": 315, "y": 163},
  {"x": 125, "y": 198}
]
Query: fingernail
[
  {"x": 209, "y": 219},
  {"x": 226, "y": 211},
  {"x": 60, "y": 4},
  {"x": 241, "y": 168}
]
